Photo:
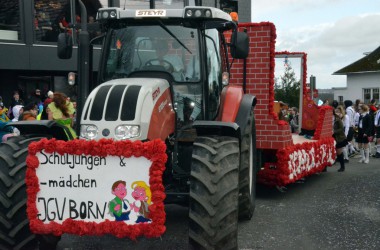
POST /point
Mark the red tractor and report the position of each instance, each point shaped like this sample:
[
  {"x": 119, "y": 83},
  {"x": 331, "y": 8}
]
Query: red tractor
[{"x": 163, "y": 74}]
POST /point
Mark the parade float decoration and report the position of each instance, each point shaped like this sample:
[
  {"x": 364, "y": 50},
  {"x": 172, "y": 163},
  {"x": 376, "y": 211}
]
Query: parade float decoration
[
  {"x": 283, "y": 157},
  {"x": 96, "y": 187}
]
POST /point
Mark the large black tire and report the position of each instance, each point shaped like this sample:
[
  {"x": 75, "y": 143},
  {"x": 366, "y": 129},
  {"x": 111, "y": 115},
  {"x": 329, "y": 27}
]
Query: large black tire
[
  {"x": 248, "y": 171},
  {"x": 214, "y": 191},
  {"x": 14, "y": 224}
]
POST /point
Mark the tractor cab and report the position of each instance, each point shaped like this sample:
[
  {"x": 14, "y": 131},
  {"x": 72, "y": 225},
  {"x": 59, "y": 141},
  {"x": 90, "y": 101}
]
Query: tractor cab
[{"x": 186, "y": 47}]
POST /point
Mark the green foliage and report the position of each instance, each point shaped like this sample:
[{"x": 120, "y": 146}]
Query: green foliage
[{"x": 287, "y": 88}]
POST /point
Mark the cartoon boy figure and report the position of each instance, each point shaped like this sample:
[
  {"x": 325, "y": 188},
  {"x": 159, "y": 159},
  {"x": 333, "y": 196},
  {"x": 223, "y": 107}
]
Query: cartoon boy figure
[{"x": 117, "y": 206}]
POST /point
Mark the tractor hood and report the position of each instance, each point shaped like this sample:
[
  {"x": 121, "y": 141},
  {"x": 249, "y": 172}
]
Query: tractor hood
[{"x": 129, "y": 108}]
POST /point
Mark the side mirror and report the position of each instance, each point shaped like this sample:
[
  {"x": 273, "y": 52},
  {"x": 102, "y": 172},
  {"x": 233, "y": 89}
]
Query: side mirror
[
  {"x": 239, "y": 45},
  {"x": 64, "y": 46}
]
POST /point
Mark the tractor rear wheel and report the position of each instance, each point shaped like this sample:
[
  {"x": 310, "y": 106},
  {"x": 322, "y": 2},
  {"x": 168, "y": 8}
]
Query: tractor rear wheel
[
  {"x": 248, "y": 171},
  {"x": 214, "y": 191},
  {"x": 14, "y": 223}
]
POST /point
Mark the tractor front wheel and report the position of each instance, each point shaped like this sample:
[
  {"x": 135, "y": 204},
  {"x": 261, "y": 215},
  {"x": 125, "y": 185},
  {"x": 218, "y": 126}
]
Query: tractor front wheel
[
  {"x": 214, "y": 191},
  {"x": 14, "y": 223}
]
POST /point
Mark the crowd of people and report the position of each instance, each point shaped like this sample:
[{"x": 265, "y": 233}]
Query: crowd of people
[
  {"x": 356, "y": 125},
  {"x": 52, "y": 106}
]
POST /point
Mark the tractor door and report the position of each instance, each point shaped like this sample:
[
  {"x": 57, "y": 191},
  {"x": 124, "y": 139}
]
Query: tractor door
[{"x": 215, "y": 66}]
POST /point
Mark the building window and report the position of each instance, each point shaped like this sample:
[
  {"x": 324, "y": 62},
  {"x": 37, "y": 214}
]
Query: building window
[
  {"x": 369, "y": 94},
  {"x": 340, "y": 99},
  {"x": 10, "y": 20},
  {"x": 47, "y": 18},
  {"x": 54, "y": 17},
  {"x": 375, "y": 95}
]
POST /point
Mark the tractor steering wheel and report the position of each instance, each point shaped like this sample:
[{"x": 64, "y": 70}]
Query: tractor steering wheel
[{"x": 165, "y": 63}]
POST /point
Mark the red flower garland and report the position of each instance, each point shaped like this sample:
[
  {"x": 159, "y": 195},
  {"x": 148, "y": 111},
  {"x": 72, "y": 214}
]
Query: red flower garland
[
  {"x": 153, "y": 151},
  {"x": 297, "y": 161}
]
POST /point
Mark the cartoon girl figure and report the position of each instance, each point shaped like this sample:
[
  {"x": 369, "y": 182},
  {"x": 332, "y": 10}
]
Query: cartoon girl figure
[{"x": 139, "y": 208}]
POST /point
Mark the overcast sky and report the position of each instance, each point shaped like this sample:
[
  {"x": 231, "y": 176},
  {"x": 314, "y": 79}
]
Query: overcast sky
[{"x": 333, "y": 33}]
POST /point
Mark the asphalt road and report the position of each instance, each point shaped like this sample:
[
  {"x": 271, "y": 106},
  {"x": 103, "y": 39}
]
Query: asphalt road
[{"x": 328, "y": 211}]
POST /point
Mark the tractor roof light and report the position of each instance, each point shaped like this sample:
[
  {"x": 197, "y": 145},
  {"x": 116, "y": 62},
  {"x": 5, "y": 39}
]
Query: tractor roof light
[
  {"x": 113, "y": 14},
  {"x": 208, "y": 13},
  {"x": 198, "y": 13},
  {"x": 189, "y": 13},
  {"x": 107, "y": 14}
]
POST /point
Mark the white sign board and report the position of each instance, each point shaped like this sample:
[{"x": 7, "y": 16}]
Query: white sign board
[
  {"x": 80, "y": 186},
  {"x": 93, "y": 188}
]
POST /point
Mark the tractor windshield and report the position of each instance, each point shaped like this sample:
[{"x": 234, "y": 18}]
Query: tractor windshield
[{"x": 171, "y": 48}]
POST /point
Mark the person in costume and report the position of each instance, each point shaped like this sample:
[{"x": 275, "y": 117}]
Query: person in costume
[
  {"x": 340, "y": 137},
  {"x": 364, "y": 131},
  {"x": 62, "y": 111}
]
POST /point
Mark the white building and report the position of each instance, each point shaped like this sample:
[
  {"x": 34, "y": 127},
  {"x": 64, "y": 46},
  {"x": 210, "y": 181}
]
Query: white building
[{"x": 363, "y": 79}]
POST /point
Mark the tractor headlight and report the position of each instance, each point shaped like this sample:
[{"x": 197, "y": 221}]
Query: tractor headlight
[
  {"x": 126, "y": 132},
  {"x": 88, "y": 131}
]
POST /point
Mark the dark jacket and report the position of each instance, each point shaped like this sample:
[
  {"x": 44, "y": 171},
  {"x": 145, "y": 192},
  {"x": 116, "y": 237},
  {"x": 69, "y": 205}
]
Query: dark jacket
[
  {"x": 18, "y": 102},
  {"x": 372, "y": 114},
  {"x": 339, "y": 131},
  {"x": 366, "y": 124}
]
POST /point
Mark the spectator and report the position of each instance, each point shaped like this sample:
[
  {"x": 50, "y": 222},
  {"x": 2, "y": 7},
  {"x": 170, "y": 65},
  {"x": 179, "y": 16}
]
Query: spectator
[
  {"x": 36, "y": 97},
  {"x": 62, "y": 111},
  {"x": 340, "y": 138},
  {"x": 30, "y": 112},
  {"x": 74, "y": 102},
  {"x": 3, "y": 113},
  {"x": 372, "y": 112},
  {"x": 294, "y": 121},
  {"x": 282, "y": 112},
  {"x": 377, "y": 129},
  {"x": 49, "y": 99},
  {"x": 43, "y": 114},
  {"x": 358, "y": 102},
  {"x": 16, "y": 111},
  {"x": 346, "y": 126},
  {"x": 351, "y": 116},
  {"x": 16, "y": 100},
  {"x": 5, "y": 132},
  {"x": 363, "y": 133},
  {"x": 335, "y": 104}
]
